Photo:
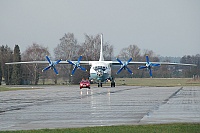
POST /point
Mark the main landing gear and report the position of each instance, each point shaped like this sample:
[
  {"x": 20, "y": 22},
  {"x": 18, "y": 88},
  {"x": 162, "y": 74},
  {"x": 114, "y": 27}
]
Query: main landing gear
[
  {"x": 99, "y": 84},
  {"x": 112, "y": 83}
]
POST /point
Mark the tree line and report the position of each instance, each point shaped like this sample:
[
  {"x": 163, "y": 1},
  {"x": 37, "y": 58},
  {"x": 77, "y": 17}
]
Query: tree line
[{"x": 70, "y": 49}]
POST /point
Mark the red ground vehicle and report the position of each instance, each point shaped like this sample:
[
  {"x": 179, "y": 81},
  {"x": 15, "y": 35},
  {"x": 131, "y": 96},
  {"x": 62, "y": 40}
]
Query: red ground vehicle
[{"x": 85, "y": 84}]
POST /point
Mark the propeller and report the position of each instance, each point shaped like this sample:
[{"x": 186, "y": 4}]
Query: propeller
[
  {"x": 51, "y": 65},
  {"x": 124, "y": 66},
  {"x": 76, "y": 65},
  {"x": 149, "y": 65}
]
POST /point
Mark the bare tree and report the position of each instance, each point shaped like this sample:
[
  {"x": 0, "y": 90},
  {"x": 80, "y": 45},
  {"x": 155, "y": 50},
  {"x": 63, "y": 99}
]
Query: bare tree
[
  {"x": 35, "y": 52},
  {"x": 68, "y": 49},
  {"x": 32, "y": 53},
  {"x": 91, "y": 48},
  {"x": 132, "y": 51},
  {"x": 108, "y": 51},
  {"x": 190, "y": 71}
]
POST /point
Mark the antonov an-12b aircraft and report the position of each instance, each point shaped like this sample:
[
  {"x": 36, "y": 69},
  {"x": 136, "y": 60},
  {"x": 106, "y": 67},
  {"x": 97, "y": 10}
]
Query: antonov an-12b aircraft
[{"x": 100, "y": 71}]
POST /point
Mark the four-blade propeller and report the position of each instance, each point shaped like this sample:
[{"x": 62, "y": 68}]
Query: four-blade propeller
[
  {"x": 76, "y": 65},
  {"x": 51, "y": 65},
  {"x": 149, "y": 65},
  {"x": 124, "y": 66}
]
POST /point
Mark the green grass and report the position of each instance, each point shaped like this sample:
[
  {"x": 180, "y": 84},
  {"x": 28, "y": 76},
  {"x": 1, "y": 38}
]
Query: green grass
[
  {"x": 142, "y": 82},
  {"x": 156, "y": 128},
  {"x": 157, "y": 82}
]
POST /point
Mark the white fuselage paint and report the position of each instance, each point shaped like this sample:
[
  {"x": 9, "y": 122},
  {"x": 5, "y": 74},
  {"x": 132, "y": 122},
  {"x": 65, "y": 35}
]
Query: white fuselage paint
[{"x": 100, "y": 71}]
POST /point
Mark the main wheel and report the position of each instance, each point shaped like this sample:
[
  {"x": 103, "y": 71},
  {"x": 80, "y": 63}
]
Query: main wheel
[{"x": 112, "y": 84}]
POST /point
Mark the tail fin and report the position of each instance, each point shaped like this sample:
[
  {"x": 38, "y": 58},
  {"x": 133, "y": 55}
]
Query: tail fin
[{"x": 101, "y": 52}]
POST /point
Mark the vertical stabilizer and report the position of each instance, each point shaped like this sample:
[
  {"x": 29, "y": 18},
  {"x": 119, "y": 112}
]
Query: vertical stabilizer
[{"x": 101, "y": 52}]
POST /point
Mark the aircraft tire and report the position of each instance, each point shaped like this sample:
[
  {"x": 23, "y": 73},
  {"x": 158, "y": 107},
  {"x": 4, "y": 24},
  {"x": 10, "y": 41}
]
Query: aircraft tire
[{"x": 112, "y": 84}]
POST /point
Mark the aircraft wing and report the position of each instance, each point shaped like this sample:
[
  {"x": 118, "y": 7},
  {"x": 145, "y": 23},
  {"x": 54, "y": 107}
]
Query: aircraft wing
[
  {"x": 130, "y": 63},
  {"x": 181, "y": 64},
  {"x": 25, "y": 62},
  {"x": 44, "y": 62},
  {"x": 144, "y": 63},
  {"x": 110, "y": 62}
]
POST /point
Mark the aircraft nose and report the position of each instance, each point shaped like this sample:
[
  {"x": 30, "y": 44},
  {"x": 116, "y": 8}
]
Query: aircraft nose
[{"x": 99, "y": 73}]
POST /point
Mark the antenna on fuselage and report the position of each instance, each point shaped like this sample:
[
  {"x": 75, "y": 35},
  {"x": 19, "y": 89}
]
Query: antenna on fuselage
[{"x": 101, "y": 52}]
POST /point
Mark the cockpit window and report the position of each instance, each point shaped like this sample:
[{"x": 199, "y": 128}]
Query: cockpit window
[{"x": 100, "y": 67}]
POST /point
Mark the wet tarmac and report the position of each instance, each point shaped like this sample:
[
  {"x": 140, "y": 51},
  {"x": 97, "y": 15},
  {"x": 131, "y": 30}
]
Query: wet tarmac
[{"x": 68, "y": 106}]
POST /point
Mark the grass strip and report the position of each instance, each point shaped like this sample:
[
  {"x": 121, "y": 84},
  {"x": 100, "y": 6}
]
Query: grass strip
[
  {"x": 156, "y": 128},
  {"x": 157, "y": 82}
]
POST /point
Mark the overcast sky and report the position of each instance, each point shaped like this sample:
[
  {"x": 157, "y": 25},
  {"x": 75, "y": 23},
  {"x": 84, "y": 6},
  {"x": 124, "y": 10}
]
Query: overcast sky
[{"x": 168, "y": 27}]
